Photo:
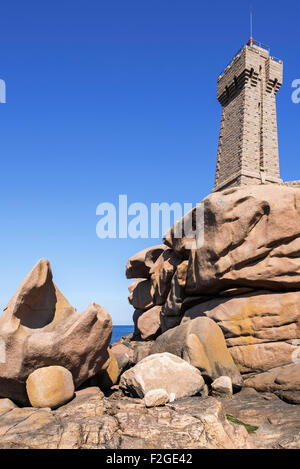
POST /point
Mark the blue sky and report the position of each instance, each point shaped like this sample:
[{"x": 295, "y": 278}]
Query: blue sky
[{"x": 109, "y": 97}]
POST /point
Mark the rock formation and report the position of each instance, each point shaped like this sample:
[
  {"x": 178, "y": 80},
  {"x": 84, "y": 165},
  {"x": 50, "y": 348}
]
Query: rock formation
[
  {"x": 156, "y": 397},
  {"x": 201, "y": 343},
  {"x": 139, "y": 265},
  {"x": 222, "y": 387},
  {"x": 162, "y": 371},
  {"x": 50, "y": 386},
  {"x": 40, "y": 328},
  {"x": 244, "y": 274},
  {"x": 93, "y": 421},
  {"x": 214, "y": 358}
]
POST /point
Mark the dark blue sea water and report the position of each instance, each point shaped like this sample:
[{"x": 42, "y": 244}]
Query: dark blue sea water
[{"x": 119, "y": 331}]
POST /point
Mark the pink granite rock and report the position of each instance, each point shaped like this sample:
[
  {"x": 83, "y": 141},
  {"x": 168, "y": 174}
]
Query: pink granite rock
[
  {"x": 251, "y": 238},
  {"x": 139, "y": 265},
  {"x": 149, "y": 323},
  {"x": 140, "y": 294}
]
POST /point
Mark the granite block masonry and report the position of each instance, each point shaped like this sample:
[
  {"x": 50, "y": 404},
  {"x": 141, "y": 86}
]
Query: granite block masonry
[{"x": 248, "y": 143}]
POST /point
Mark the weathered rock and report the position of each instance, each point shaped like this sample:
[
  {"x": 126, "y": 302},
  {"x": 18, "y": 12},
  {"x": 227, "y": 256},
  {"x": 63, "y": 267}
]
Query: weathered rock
[
  {"x": 255, "y": 318},
  {"x": 291, "y": 397},
  {"x": 139, "y": 265},
  {"x": 50, "y": 386},
  {"x": 40, "y": 328},
  {"x": 283, "y": 378},
  {"x": 222, "y": 387},
  {"x": 161, "y": 275},
  {"x": 156, "y": 397},
  {"x": 201, "y": 343},
  {"x": 125, "y": 340},
  {"x": 135, "y": 317},
  {"x": 261, "y": 328},
  {"x": 140, "y": 294},
  {"x": 141, "y": 350},
  {"x": 123, "y": 362},
  {"x": 181, "y": 236},
  {"x": 7, "y": 404},
  {"x": 28, "y": 427},
  {"x": 172, "y": 309},
  {"x": 162, "y": 371},
  {"x": 258, "y": 358},
  {"x": 278, "y": 422},
  {"x": 90, "y": 421},
  {"x": 182, "y": 273},
  {"x": 108, "y": 377},
  {"x": 189, "y": 423},
  {"x": 230, "y": 292},
  {"x": 168, "y": 322},
  {"x": 74, "y": 425},
  {"x": 124, "y": 356},
  {"x": 149, "y": 323},
  {"x": 119, "y": 349},
  {"x": 251, "y": 239},
  {"x": 173, "y": 304},
  {"x": 191, "y": 301}
]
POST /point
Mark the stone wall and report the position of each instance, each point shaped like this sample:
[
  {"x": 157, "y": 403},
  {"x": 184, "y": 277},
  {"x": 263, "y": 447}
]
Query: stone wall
[{"x": 248, "y": 144}]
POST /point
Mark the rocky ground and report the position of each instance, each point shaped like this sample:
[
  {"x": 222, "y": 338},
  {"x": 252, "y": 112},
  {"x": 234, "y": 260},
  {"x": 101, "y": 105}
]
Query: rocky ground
[{"x": 92, "y": 420}]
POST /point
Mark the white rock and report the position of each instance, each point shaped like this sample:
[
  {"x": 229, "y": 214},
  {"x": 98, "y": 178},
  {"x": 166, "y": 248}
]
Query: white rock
[
  {"x": 163, "y": 371},
  {"x": 222, "y": 386},
  {"x": 156, "y": 397}
]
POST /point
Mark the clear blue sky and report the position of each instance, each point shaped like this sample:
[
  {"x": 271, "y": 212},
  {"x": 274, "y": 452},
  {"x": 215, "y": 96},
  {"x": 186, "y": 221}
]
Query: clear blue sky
[{"x": 108, "y": 97}]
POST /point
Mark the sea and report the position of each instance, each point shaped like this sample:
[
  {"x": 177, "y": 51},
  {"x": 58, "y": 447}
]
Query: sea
[{"x": 119, "y": 331}]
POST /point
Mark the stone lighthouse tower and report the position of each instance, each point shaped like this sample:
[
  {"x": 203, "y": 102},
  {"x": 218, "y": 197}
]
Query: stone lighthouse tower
[{"x": 248, "y": 144}]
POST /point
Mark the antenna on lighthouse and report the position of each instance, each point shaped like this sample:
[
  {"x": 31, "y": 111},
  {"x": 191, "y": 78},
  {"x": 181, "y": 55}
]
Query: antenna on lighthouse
[{"x": 251, "y": 41}]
